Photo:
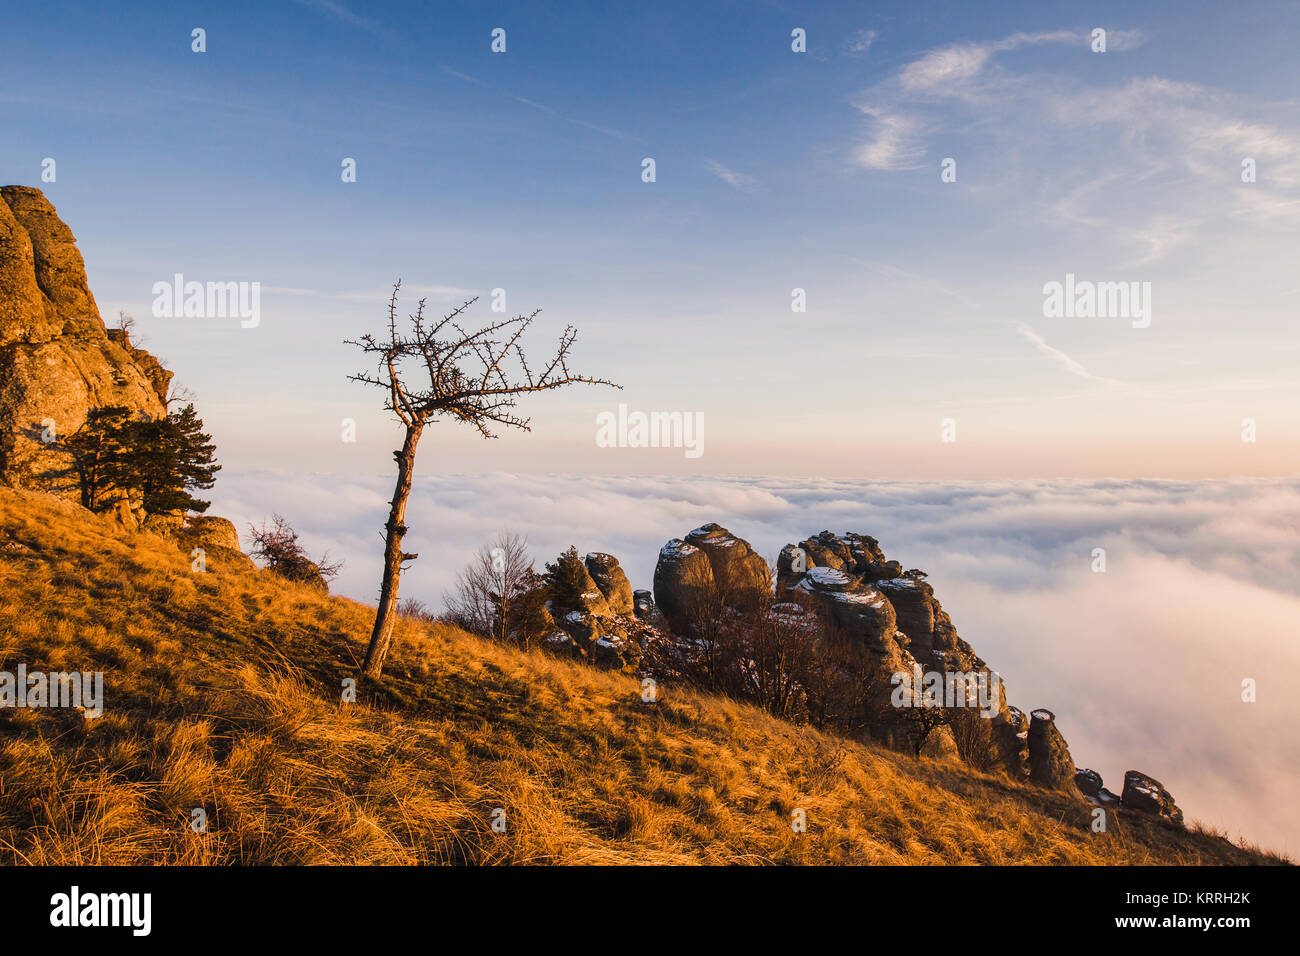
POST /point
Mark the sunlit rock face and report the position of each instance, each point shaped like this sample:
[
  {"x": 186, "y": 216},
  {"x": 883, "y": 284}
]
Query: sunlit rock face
[{"x": 57, "y": 359}]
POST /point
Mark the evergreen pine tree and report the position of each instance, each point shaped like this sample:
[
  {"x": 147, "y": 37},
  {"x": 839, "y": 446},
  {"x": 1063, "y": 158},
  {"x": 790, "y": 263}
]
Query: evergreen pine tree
[
  {"x": 566, "y": 580},
  {"x": 175, "y": 456},
  {"x": 525, "y": 616},
  {"x": 161, "y": 459},
  {"x": 102, "y": 448}
]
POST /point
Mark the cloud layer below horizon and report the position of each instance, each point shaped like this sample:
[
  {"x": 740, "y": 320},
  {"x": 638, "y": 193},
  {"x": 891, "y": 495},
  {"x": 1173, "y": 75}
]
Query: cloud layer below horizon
[{"x": 1143, "y": 664}]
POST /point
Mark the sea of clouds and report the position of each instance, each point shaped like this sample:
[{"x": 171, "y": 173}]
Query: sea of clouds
[{"x": 1143, "y": 664}]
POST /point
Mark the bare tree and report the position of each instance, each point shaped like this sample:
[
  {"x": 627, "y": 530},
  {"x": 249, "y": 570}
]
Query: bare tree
[
  {"x": 467, "y": 376},
  {"x": 497, "y": 575},
  {"x": 415, "y": 609}
]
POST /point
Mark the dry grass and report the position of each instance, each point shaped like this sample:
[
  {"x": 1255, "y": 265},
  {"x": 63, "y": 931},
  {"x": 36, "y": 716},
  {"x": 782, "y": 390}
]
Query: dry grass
[{"x": 223, "y": 691}]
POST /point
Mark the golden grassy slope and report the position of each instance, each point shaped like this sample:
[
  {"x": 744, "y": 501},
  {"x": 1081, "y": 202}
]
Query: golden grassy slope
[{"x": 223, "y": 692}]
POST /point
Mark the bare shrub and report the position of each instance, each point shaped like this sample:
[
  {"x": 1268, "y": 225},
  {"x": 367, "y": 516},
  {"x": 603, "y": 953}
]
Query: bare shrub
[
  {"x": 498, "y": 594},
  {"x": 414, "y": 609},
  {"x": 973, "y": 733},
  {"x": 277, "y": 544}
]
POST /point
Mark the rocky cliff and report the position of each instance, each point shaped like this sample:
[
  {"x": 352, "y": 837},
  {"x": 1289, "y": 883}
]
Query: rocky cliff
[{"x": 57, "y": 359}]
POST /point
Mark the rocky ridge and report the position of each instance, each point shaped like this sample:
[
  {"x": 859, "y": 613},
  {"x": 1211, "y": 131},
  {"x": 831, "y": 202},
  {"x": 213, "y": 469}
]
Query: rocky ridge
[{"x": 845, "y": 582}]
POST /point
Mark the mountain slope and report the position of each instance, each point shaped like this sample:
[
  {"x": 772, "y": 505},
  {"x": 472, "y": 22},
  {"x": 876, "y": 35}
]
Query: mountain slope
[{"x": 222, "y": 692}]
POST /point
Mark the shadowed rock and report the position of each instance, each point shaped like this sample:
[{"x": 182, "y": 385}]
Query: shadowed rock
[
  {"x": 1148, "y": 795},
  {"x": 939, "y": 744},
  {"x": 609, "y": 578},
  {"x": 862, "y": 611},
  {"x": 683, "y": 576},
  {"x": 1010, "y": 739},
  {"x": 645, "y": 609},
  {"x": 1050, "y": 763},
  {"x": 1089, "y": 783}
]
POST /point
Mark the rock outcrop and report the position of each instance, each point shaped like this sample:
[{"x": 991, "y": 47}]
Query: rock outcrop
[
  {"x": 1050, "y": 763},
  {"x": 862, "y": 611},
  {"x": 1148, "y": 795},
  {"x": 895, "y": 614},
  {"x": 610, "y": 581},
  {"x": 709, "y": 565},
  {"x": 1142, "y": 794},
  {"x": 683, "y": 578},
  {"x": 736, "y": 567},
  {"x": 219, "y": 540},
  {"x": 611, "y": 627},
  {"x": 57, "y": 360},
  {"x": 1089, "y": 783},
  {"x": 58, "y": 363}
]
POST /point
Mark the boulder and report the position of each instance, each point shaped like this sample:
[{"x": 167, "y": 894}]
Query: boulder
[
  {"x": 610, "y": 581},
  {"x": 1089, "y": 783},
  {"x": 1050, "y": 763},
  {"x": 683, "y": 577},
  {"x": 939, "y": 744},
  {"x": 791, "y": 563},
  {"x": 613, "y": 643},
  {"x": 219, "y": 540},
  {"x": 1148, "y": 795},
  {"x": 736, "y": 566},
  {"x": 582, "y": 626},
  {"x": 913, "y": 603},
  {"x": 608, "y": 651},
  {"x": 645, "y": 609},
  {"x": 862, "y": 611},
  {"x": 562, "y": 644},
  {"x": 212, "y": 531},
  {"x": 123, "y": 516},
  {"x": 591, "y": 601},
  {"x": 1010, "y": 739}
]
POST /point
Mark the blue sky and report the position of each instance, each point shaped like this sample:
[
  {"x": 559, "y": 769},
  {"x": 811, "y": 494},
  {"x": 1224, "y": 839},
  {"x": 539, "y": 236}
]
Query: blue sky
[{"x": 775, "y": 170}]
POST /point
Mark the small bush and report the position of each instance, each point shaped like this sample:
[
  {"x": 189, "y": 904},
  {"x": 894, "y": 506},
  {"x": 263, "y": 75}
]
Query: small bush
[{"x": 277, "y": 545}]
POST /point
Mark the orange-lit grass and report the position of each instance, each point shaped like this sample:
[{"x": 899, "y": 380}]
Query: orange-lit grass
[{"x": 223, "y": 692}]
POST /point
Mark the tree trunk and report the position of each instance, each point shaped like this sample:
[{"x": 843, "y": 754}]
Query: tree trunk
[{"x": 381, "y": 638}]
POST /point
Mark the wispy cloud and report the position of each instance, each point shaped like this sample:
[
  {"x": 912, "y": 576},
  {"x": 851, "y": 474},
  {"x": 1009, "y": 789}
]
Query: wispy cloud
[
  {"x": 461, "y": 76},
  {"x": 339, "y": 12},
  {"x": 1056, "y": 355},
  {"x": 1147, "y": 159},
  {"x": 1069, "y": 363},
  {"x": 608, "y": 131},
  {"x": 860, "y": 42},
  {"x": 548, "y": 110},
  {"x": 894, "y": 144},
  {"x": 962, "y": 62},
  {"x": 732, "y": 178}
]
